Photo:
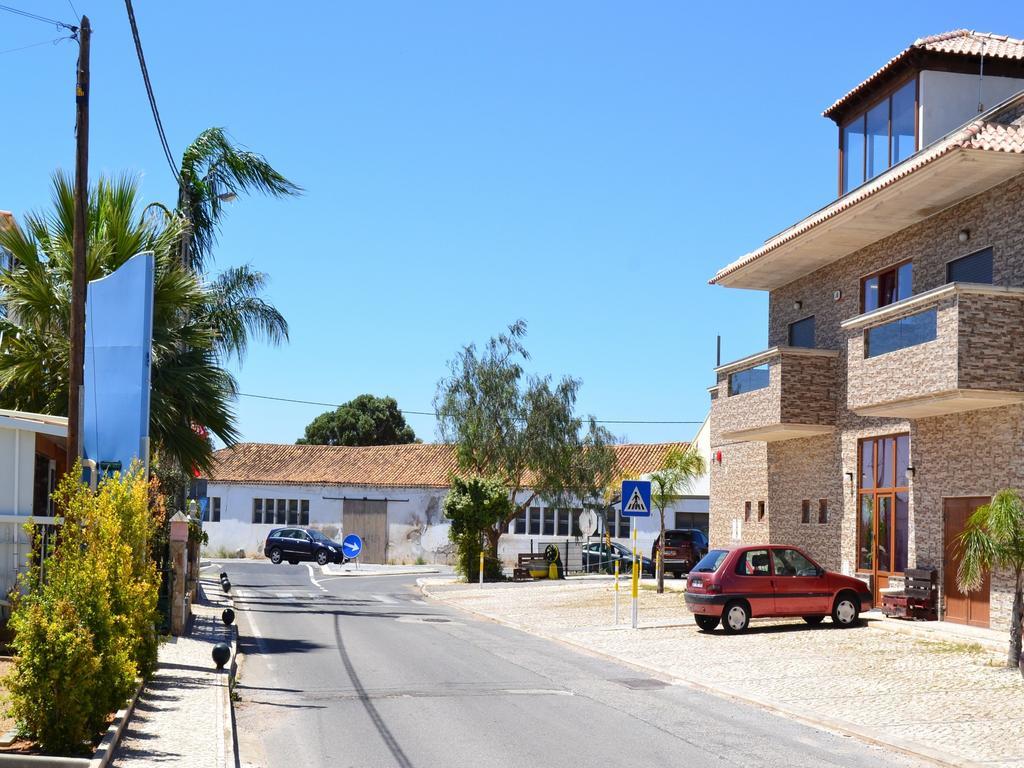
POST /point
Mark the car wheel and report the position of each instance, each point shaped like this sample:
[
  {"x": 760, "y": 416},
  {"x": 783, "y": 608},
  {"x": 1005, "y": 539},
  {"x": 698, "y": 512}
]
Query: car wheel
[
  {"x": 321, "y": 557},
  {"x": 813, "y": 620},
  {"x": 735, "y": 617},
  {"x": 846, "y": 610},
  {"x": 706, "y": 623},
  {"x": 275, "y": 556}
]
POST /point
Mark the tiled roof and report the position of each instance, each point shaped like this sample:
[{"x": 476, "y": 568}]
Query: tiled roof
[
  {"x": 963, "y": 42},
  {"x": 417, "y": 465},
  {"x": 6, "y": 219},
  {"x": 985, "y": 134}
]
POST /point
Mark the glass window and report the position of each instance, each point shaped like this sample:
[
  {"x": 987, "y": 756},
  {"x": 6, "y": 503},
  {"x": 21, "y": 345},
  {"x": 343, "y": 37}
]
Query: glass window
[
  {"x": 790, "y": 562},
  {"x": 282, "y": 512},
  {"x": 976, "y": 268},
  {"x": 562, "y": 527},
  {"x": 215, "y": 509},
  {"x": 748, "y": 380},
  {"x": 903, "y": 122},
  {"x": 575, "y": 514},
  {"x": 760, "y": 511},
  {"x": 520, "y": 523},
  {"x": 805, "y": 511},
  {"x": 549, "y": 521},
  {"x": 822, "y": 511},
  {"x": 887, "y": 287},
  {"x": 902, "y": 333},
  {"x": 878, "y": 139},
  {"x": 304, "y": 512},
  {"x": 746, "y": 511},
  {"x": 801, "y": 333},
  {"x": 904, "y": 281},
  {"x": 623, "y": 527},
  {"x": 268, "y": 511},
  {"x": 753, "y": 563},
  {"x": 535, "y": 521},
  {"x": 902, "y": 459},
  {"x": 870, "y": 293},
  {"x": 853, "y": 154},
  {"x": 293, "y": 511},
  {"x": 867, "y": 464},
  {"x": 884, "y": 470},
  {"x": 866, "y": 543},
  {"x": 884, "y": 532},
  {"x": 711, "y": 561},
  {"x": 257, "y": 511},
  {"x": 899, "y": 564}
]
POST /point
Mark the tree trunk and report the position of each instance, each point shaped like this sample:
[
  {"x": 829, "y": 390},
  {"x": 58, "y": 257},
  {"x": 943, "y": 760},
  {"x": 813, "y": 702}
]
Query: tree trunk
[
  {"x": 660, "y": 566},
  {"x": 493, "y": 534},
  {"x": 1015, "y": 659}
]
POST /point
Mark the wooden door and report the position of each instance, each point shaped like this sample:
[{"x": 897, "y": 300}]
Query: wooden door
[
  {"x": 369, "y": 519},
  {"x": 970, "y": 608}
]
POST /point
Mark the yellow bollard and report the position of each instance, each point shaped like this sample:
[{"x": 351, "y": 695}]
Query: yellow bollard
[
  {"x": 636, "y": 579},
  {"x": 616, "y": 593},
  {"x": 481, "y": 569}
]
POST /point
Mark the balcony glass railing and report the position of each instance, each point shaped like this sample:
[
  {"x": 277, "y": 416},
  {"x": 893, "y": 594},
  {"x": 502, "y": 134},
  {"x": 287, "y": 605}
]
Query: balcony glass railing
[
  {"x": 749, "y": 380},
  {"x": 905, "y": 332}
]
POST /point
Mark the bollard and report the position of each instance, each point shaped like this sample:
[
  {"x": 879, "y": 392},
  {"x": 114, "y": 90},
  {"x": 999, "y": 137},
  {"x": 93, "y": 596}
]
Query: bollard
[
  {"x": 221, "y": 655},
  {"x": 481, "y": 569},
  {"x": 616, "y": 593},
  {"x": 227, "y": 616},
  {"x": 225, "y": 585},
  {"x": 636, "y": 579}
]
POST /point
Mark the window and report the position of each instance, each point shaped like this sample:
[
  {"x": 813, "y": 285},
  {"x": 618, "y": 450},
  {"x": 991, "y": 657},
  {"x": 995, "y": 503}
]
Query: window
[
  {"x": 905, "y": 332},
  {"x": 623, "y": 526},
  {"x": 975, "y": 268},
  {"x": 549, "y": 522},
  {"x": 801, "y": 333},
  {"x": 268, "y": 511},
  {"x": 805, "y": 511},
  {"x": 883, "y": 518},
  {"x": 887, "y": 287},
  {"x": 879, "y": 137},
  {"x": 760, "y": 511},
  {"x": 697, "y": 521},
  {"x": 822, "y": 511},
  {"x": 746, "y": 511},
  {"x": 535, "y": 521},
  {"x": 304, "y": 512},
  {"x": 562, "y": 528},
  {"x": 215, "y": 509},
  {"x": 293, "y": 511},
  {"x": 519, "y": 526},
  {"x": 257, "y": 511},
  {"x": 575, "y": 515},
  {"x": 282, "y": 513},
  {"x": 748, "y": 380},
  {"x": 790, "y": 562},
  {"x": 753, "y": 563}
]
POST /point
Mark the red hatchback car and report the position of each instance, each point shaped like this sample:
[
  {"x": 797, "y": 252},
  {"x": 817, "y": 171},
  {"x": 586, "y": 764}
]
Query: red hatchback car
[{"x": 733, "y": 586}]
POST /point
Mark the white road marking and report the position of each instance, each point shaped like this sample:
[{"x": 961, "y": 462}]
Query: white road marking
[
  {"x": 385, "y": 599},
  {"x": 259, "y": 641},
  {"x": 312, "y": 578},
  {"x": 284, "y": 595}
]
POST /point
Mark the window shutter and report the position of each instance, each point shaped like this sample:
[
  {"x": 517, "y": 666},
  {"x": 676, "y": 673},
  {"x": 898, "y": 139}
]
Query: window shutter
[{"x": 976, "y": 268}]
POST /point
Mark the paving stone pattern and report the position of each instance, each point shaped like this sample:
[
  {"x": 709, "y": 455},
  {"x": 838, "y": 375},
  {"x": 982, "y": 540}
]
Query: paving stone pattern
[
  {"x": 181, "y": 718},
  {"x": 947, "y": 696}
]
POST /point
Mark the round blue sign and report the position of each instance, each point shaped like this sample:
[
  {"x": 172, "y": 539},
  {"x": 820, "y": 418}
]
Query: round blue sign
[{"x": 352, "y": 546}]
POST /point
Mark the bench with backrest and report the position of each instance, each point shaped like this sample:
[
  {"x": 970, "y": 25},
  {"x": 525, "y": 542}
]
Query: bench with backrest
[
  {"x": 919, "y": 598},
  {"x": 529, "y": 561}
]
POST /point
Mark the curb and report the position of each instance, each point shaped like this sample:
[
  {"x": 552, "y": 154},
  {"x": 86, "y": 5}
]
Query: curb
[
  {"x": 352, "y": 574},
  {"x": 804, "y": 716},
  {"x": 226, "y": 721}
]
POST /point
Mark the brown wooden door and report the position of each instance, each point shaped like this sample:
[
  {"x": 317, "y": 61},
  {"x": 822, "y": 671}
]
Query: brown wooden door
[
  {"x": 971, "y": 608},
  {"x": 369, "y": 519}
]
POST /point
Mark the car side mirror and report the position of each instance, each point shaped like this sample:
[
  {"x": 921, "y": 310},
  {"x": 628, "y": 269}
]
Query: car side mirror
[{"x": 819, "y": 572}]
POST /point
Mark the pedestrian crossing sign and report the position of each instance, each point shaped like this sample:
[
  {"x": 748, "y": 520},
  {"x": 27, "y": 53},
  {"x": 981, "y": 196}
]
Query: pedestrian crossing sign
[{"x": 636, "y": 498}]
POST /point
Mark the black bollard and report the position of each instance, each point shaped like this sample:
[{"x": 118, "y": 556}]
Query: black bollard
[
  {"x": 225, "y": 585},
  {"x": 221, "y": 655},
  {"x": 223, "y": 576},
  {"x": 227, "y": 616}
]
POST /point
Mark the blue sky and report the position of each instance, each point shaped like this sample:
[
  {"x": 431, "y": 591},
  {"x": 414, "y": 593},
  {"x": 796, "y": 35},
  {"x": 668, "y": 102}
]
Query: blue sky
[{"x": 586, "y": 166}]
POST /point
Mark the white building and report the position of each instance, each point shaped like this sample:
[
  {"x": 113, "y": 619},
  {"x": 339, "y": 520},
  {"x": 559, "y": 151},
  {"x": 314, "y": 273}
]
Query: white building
[{"x": 392, "y": 496}]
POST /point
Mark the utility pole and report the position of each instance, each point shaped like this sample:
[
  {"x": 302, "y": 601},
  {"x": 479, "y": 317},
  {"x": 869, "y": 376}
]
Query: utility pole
[{"x": 77, "y": 326}]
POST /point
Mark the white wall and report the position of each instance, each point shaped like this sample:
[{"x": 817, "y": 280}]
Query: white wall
[
  {"x": 17, "y": 468},
  {"x": 950, "y": 99}
]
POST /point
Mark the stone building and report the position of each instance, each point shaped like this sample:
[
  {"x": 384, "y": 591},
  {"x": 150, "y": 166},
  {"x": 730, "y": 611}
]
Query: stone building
[{"x": 890, "y": 402}]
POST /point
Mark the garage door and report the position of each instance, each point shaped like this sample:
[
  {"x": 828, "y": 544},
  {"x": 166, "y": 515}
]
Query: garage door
[{"x": 369, "y": 519}]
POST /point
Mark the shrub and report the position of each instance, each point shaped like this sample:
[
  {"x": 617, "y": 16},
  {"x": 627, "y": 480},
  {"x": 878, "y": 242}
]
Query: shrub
[
  {"x": 474, "y": 505},
  {"x": 85, "y": 622}
]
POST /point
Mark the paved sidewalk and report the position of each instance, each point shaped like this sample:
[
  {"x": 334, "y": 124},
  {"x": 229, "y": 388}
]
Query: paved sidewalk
[
  {"x": 942, "y": 696},
  {"x": 183, "y": 717}
]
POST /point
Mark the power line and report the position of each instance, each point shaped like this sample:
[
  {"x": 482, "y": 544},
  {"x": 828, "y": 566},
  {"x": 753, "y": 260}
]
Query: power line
[
  {"x": 434, "y": 413},
  {"x": 149, "y": 92},
  {"x": 37, "y": 17},
  {"x": 74, "y": 10},
  {"x": 36, "y": 45}
]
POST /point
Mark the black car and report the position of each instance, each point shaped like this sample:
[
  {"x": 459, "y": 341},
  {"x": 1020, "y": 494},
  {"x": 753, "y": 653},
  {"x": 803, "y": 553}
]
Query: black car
[
  {"x": 295, "y": 544},
  {"x": 601, "y": 558}
]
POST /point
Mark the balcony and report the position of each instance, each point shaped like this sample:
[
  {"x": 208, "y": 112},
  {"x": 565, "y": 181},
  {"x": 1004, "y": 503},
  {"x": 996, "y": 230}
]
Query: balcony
[
  {"x": 779, "y": 394},
  {"x": 951, "y": 349}
]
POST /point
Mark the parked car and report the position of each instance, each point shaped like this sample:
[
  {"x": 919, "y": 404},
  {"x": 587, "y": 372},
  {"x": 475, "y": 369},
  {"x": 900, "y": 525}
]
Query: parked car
[
  {"x": 733, "y": 586},
  {"x": 599, "y": 557},
  {"x": 296, "y": 544},
  {"x": 683, "y": 548}
]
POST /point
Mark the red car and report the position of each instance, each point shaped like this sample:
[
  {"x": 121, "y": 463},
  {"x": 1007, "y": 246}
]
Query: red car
[{"x": 733, "y": 586}]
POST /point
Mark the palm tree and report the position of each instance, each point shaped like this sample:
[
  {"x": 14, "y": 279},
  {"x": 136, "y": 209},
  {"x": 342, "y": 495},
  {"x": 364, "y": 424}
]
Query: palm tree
[
  {"x": 681, "y": 468},
  {"x": 994, "y": 538},
  {"x": 215, "y": 171},
  {"x": 197, "y": 326}
]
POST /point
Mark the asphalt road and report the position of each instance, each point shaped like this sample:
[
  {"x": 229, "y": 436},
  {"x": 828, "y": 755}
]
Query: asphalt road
[{"x": 363, "y": 671}]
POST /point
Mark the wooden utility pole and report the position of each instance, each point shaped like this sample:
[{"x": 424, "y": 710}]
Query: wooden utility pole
[{"x": 77, "y": 327}]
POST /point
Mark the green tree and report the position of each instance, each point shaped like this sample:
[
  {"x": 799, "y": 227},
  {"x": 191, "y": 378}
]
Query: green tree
[
  {"x": 215, "y": 171},
  {"x": 364, "y": 420},
  {"x": 680, "y": 469},
  {"x": 994, "y": 538},
  {"x": 197, "y": 325},
  {"x": 521, "y": 430},
  {"x": 474, "y": 505}
]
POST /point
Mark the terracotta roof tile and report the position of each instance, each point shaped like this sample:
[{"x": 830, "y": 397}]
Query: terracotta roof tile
[
  {"x": 964, "y": 42},
  {"x": 418, "y": 465}
]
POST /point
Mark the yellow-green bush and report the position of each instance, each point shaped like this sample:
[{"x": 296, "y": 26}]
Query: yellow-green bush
[{"x": 85, "y": 623}]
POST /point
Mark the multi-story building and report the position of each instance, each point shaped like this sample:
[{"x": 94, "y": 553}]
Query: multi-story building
[{"x": 890, "y": 401}]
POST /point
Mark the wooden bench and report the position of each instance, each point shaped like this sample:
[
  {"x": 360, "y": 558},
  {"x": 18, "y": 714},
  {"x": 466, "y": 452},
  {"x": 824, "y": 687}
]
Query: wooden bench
[
  {"x": 919, "y": 598},
  {"x": 527, "y": 562}
]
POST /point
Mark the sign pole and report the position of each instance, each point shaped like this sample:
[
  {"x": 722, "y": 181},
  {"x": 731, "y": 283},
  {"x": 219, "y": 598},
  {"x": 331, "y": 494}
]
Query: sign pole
[
  {"x": 616, "y": 593},
  {"x": 636, "y": 578},
  {"x": 635, "y": 502}
]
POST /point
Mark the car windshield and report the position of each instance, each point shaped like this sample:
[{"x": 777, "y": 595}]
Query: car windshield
[
  {"x": 711, "y": 561},
  {"x": 676, "y": 538},
  {"x": 318, "y": 536}
]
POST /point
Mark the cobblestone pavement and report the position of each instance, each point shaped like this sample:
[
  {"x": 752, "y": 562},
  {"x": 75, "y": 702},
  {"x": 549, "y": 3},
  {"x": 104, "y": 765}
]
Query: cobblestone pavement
[
  {"x": 183, "y": 716},
  {"x": 953, "y": 697}
]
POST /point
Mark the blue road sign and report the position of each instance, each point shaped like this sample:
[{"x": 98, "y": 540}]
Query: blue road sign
[
  {"x": 636, "y": 498},
  {"x": 352, "y": 546}
]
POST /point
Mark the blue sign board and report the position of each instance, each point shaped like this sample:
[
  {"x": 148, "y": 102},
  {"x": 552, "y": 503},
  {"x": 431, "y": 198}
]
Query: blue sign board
[
  {"x": 352, "y": 546},
  {"x": 636, "y": 498}
]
